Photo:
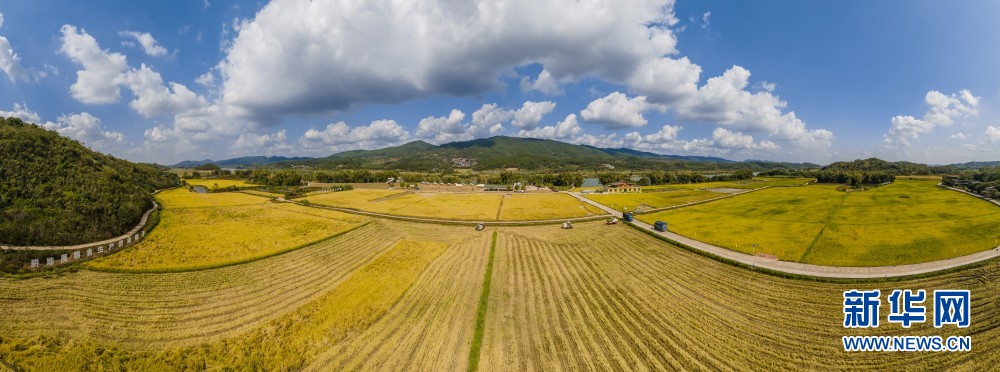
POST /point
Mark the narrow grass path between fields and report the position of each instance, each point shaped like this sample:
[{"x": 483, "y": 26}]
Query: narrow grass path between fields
[
  {"x": 829, "y": 218},
  {"x": 500, "y": 208},
  {"x": 477, "y": 337}
]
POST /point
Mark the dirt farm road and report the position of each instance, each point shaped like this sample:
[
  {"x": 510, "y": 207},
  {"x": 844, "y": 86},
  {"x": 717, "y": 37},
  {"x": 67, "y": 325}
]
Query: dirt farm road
[{"x": 807, "y": 269}]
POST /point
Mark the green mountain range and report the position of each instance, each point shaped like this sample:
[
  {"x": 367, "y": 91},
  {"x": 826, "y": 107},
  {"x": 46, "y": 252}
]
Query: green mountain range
[{"x": 505, "y": 152}]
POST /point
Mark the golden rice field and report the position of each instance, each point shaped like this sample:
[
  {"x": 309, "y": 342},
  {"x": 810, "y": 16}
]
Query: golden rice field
[
  {"x": 212, "y": 183},
  {"x": 459, "y": 206},
  {"x": 393, "y": 296},
  {"x": 375, "y": 287},
  {"x": 520, "y": 207},
  {"x": 909, "y": 221},
  {"x": 198, "y": 237},
  {"x": 182, "y": 198},
  {"x": 652, "y": 200},
  {"x": 609, "y": 298}
]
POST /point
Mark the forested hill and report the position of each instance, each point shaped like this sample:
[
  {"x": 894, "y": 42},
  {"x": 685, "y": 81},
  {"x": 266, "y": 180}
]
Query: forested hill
[
  {"x": 55, "y": 191},
  {"x": 879, "y": 165},
  {"x": 523, "y": 153}
]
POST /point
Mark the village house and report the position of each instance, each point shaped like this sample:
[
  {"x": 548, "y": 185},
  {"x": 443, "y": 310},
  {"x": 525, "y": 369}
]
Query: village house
[{"x": 621, "y": 186}]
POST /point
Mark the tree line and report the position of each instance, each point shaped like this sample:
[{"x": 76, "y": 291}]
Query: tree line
[{"x": 985, "y": 182}]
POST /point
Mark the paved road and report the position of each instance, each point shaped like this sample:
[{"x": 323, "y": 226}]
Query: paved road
[{"x": 813, "y": 270}]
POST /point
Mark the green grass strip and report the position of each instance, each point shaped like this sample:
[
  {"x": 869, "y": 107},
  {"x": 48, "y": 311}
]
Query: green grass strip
[{"x": 477, "y": 337}]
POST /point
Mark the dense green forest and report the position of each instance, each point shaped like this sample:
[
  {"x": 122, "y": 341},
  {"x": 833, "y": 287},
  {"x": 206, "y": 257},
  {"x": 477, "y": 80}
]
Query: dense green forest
[
  {"x": 55, "y": 191},
  {"x": 985, "y": 182},
  {"x": 898, "y": 168}
]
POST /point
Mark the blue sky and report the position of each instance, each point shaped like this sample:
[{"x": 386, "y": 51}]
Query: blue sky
[{"x": 779, "y": 80}]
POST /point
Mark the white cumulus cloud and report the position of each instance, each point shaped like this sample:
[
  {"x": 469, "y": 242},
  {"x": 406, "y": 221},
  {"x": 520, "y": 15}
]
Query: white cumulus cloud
[
  {"x": 442, "y": 129},
  {"x": 21, "y": 111},
  {"x": 147, "y": 41},
  {"x": 531, "y": 113},
  {"x": 87, "y": 129},
  {"x": 267, "y": 144},
  {"x": 942, "y": 110},
  {"x": 153, "y": 98},
  {"x": 103, "y": 71},
  {"x": 341, "y": 137},
  {"x": 567, "y": 129},
  {"x": 617, "y": 111},
  {"x": 328, "y": 55},
  {"x": 724, "y": 100},
  {"x": 993, "y": 134},
  {"x": 544, "y": 83}
]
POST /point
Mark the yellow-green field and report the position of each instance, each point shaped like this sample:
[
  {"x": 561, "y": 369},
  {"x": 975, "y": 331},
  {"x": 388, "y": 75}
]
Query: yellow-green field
[
  {"x": 519, "y": 207},
  {"x": 909, "y": 221},
  {"x": 209, "y": 230},
  {"x": 212, "y": 183},
  {"x": 182, "y": 198},
  {"x": 755, "y": 183},
  {"x": 395, "y": 296},
  {"x": 355, "y": 199},
  {"x": 654, "y": 199},
  {"x": 459, "y": 206}
]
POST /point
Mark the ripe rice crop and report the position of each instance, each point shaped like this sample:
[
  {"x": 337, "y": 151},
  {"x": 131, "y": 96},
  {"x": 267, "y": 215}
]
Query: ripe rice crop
[
  {"x": 459, "y": 206},
  {"x": 182, "y": 198},
  {"x": 520, "y": 207},
  {"x": 418, "y": 296},
  {"x": 168, "y": 310},
  {"x": 650, "y": 200},
  {"x": 611, "y": 298},
  {"x": 213, "y": 183},
  {"x": 909, "y": 221},
  {"x": 195, "y": 238},
  {"x": 443, "y": 205},
  {"x": 394, "y": 295},
  {"x": 356, "y": 199}
]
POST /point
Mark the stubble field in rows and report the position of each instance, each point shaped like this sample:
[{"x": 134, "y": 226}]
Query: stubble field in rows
[{"x": 395, "y": 295}]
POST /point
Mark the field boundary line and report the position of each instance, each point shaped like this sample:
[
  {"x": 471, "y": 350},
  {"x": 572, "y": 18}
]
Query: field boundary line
[
  {"x": 388, "y": 197},
  {"x": 829, "y": 217},
  {"x": 484, "y": 297},
  {"x": 225, "y": 264},
  {"x": 500, "y": 208},
  {"x": 810, "y": 271},
  {"x": 441, "y": 221}
]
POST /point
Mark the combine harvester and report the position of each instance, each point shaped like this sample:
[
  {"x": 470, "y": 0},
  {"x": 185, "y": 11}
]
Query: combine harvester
[
  {"x": 613, "y": 221},
  {"x": 480, "y": 226},
  {"x": 567, "y": 225}
]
